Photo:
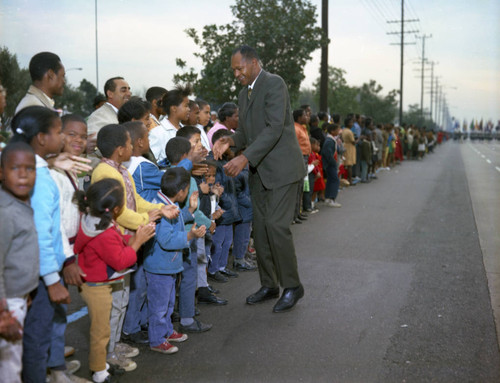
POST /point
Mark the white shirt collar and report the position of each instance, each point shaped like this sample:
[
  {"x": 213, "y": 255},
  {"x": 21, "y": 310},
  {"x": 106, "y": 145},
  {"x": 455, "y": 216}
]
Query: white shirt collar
[
  {"x": 114, "y": 107},
  {"x": 40, "y": 162},
  {"x": 253, "y": 83}
]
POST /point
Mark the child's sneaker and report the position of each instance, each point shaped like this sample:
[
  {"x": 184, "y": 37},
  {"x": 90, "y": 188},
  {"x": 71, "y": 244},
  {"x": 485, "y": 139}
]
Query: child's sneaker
[
  {"x": 165, "y": 348},
  {"x": 177, "y": 337},
  {"x": 126, "y": 351},
  {"x": 121, "y": 362}
]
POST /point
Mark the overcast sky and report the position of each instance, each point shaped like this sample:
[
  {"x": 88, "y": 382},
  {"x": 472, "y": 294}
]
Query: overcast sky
[{"x": 140, "y": 41}]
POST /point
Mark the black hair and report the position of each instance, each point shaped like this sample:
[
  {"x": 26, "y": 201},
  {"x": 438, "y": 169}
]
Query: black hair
[
  {"x": 132, "y": 109},
  {"x": 220, "y": 133},
  {"x": 187, "y": 131},
  {"x": 332, "y": 127},
  {"x": 111, "y": 85},
  {"x": 201, "y": 103},
  {"x": 15, "y": 147},
  {"x": 305, "y": 106},
  {"x": 322, "y": 115},
  {"x": 155, "y": 93},
  {"x": 30, "y": 121},
  {"x": 98, "y": 99},
  {"x": 41, "y": 63},
  {"x": 336, "y": 118},
  {"x": 135, "y": 129},
  {"x": 174, "y": 180},
  {"x": 314, "y": 119},
  {"x": 177, "y": 147},
  {"x": 175, "y": 97},
  {"x": 368, "y": 121},
  {"x": 313, "y": 141},
  {"x": 72, "y": 118},
  {"x": 247, "y": 52},
  {"x": 227, "y": 110},
  {"x": 193, "y": 104},
  {"x": 297, "y": 113},
  {"x": 111, "y": 137},
  {"x": 347, "y": 121},
  {"x": 100, "y": 200},
  {"x": 211, "y": 163}
]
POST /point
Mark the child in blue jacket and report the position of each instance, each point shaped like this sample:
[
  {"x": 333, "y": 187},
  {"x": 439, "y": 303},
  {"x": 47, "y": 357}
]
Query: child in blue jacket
[{"x": 164, "y": 260}]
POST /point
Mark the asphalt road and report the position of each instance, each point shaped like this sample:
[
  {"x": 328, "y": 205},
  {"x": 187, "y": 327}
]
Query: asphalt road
[{"x": 395, "y": 290}]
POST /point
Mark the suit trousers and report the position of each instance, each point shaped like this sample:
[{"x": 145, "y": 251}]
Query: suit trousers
[{"x": 273, "y": 211}]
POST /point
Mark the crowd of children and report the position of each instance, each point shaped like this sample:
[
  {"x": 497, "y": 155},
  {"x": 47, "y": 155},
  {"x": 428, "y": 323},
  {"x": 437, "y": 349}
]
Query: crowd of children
[{"x": 143, "y": 230}]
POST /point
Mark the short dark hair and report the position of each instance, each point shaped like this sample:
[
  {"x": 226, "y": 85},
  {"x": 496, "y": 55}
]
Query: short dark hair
[
  {"x": 305, "y": 106},
  {"x": 220, "y": 133},
  {"x": 322, "y": 115},
  {"x": 314, "y": 119},
  {"x": 136, "y": 129},
  {"x": 111, "y": 85},
  {"x": 174, "y": 180},
  {"x": 227, "y": 110},
  {"x": 187, "y": 131},
  {"x": 41, "y": 63},
  {"x": 332, "y": 127},
  {"x": 313, "y": 141},
  {"x": 15, "y": 147},
  {"x": 201, "y": 103},
  {"x": 336, "y": 118},
  {"x": 177, "y": 147},
  {"x": 133, "y": 109},
  {"x": 175, "y": 97},
  {"x": 98, "y": 99},
  {"x": 211, "y": 163},
  {"x": 155, "y": 93},
  {"x": 30, "y": 121},
  {"x": 100, "y": 200},
  {"x": 247, "y": 52},
  {"x": 72, "y": 118},
  {"x": 347, "y": 121},
  {"x": 111, "y": 137},
  {"x": 297, "y": 113}
]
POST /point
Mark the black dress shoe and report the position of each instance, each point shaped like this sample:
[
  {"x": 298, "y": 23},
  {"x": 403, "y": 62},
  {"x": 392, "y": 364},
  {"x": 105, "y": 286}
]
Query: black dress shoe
[
  {"x": 296, "y": 220},
  {"x": 243, "y": 266},
  {"x": 211, "y": 299},
  {"x": 302, "y": 217},
  {"x": 228, "y": 273},
  {"x": 138, "y": 337},
  {"x": 288, "y": 299},
  {"x": 264, "y": 294},
  {"x": 213, "y": 290}
]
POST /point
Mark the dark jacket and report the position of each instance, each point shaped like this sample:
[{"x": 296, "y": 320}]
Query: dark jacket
[{"x": 243, "y": 196}]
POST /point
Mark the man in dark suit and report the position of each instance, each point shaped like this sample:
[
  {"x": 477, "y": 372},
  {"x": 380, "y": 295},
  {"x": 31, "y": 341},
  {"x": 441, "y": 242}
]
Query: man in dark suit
[{"x": 266, "y": 129}]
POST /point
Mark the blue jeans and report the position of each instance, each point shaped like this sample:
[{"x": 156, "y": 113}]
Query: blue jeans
[
  {"x": 56, "y": 351},
  {"x": 161, "y": 301},
  {"x": 187, "y": 288},
  {"x": 364, "y": 171},
  {"x": 241, "y": 239},
  {"x": 137, "y": 309},
  {"x": 332, "y": 182},
  {"x": 37, "y": 335},
  {"x": 222, "y": 240}
]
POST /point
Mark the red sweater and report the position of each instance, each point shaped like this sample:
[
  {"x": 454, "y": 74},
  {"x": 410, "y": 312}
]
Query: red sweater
[{"x": 102, "y": 252}]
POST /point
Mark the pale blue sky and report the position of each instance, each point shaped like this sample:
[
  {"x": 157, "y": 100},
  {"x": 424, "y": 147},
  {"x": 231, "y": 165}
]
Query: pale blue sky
[{"x": 140, "y": 41}]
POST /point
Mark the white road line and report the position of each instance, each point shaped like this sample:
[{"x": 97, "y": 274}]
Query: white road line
[
  {"x": 482, "y": 155},
  {"x": 488, "y": 161},
  {"x": 497, "y": 168}
]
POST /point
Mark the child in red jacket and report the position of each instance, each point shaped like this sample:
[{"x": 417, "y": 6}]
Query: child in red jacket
[{"x": 104, "y": 255}]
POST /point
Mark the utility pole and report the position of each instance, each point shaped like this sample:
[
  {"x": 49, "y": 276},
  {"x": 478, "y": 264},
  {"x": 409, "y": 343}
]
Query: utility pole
[
  {"x": 432, "y": 88},
  {"x": 96, "y": 53},
  {"x": 422, "y": 79},
  {"x": 402, "y": 21},
  {"x": 323, "y": 89},
  {"x": 437, "y": 95}
]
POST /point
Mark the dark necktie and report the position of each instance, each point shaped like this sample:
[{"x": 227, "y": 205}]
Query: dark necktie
[{"x": 249, "y": 92}]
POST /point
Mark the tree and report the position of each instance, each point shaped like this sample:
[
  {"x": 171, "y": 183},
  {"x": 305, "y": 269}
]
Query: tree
[
  {"x": 414, "y": 116},
  {"x": 373, "y": 104},
  {"x": 282, "y": 31},
  {"x": 14, "y": 79},
  {"x": 77, "y": 100}
]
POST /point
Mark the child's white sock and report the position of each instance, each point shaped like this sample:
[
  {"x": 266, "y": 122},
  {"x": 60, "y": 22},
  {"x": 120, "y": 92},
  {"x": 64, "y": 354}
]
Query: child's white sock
[{"x": 100, "y": 376}]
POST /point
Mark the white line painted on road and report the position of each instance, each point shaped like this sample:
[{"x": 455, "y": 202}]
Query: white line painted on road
[
  {"x": 497, "y": 168},
  {"x": 488, "y": 161},
  {"x": 482, "y": 155}
]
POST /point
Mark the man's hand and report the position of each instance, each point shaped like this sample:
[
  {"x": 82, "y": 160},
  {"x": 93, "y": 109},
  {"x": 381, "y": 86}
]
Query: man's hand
[
  {"x": 70, "y": 163},
  {"x": 197, "y": 155},
  {"x": 193, "y": 202},
  {"x": 199, "y": 170},
  {"x": 236, "y": 165},
  {"x": 212, "y": 227},
  {"x": 73, "y": 274},
  {"x": 221, "y": 145},
  {"x": 155, "y": 215},
  {"x": 58, "y": 293},
  {"x": 218, "y": 213},
  {"x": 170, "y": 211}
]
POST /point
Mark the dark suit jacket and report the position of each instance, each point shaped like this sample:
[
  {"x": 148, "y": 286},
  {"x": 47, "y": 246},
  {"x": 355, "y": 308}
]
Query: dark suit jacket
[{"x": 266, "y": 128}]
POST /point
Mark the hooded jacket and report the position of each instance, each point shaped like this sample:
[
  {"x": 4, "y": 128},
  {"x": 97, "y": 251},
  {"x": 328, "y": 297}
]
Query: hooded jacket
[{"x": 103, "y": 255}]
